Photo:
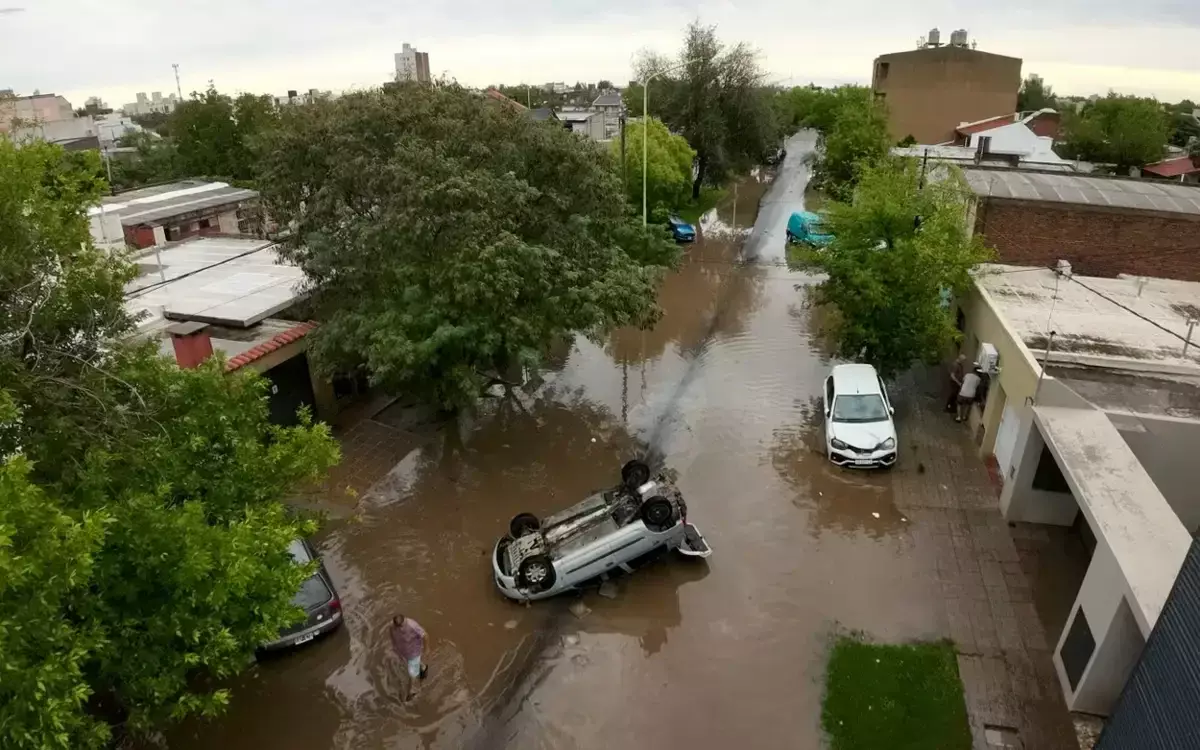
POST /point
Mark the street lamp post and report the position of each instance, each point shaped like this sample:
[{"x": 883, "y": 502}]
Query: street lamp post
[{"x": 646, "y": 124}]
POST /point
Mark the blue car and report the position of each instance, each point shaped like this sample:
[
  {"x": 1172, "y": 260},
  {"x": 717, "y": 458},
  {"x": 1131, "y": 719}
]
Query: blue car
[
  {"x": 681, "y": 230},
  {"x": 807, "y": 227}
]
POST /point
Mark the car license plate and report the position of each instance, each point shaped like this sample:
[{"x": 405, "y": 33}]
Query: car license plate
[
  {"x": 304, "y": 639},
  {"x": 863, "y": 462}
]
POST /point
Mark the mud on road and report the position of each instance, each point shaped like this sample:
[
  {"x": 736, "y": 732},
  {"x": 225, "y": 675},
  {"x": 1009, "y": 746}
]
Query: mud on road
[{"x": 688, "y": 654}]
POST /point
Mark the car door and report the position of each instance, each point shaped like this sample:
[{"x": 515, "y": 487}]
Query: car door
[{"x": 827, "y": 398}]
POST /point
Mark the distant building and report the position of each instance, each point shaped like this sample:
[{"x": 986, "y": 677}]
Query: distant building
[
  {"x": 1013, "y": 140},
  {"x": 156, "y": 103},
  {"x": 1184, "y": 169},
  {"x": 95, "y": 103},
  {"x": 610, "y": 105},
  {"x": 308, "y": 97},
  {"x": 557, "y": 87},
  {"x": 588, "y": 124},
  {"x": 17, "y": 111},
  {"x": 931, "y": 90},
  {"x": 412, "y": 65},
  {"x": 153, "y": 216}
]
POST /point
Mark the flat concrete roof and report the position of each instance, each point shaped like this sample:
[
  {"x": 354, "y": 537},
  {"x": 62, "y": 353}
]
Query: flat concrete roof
[
  {"x": 1173, "y": 396},
  {"x": 218, "y": 280},
  {"x": 1102, "y": 192},
  {"x": 1091, "y": 330},
  {"x": 148, "y": 205},
  {"x": 1120, "y": 501}
]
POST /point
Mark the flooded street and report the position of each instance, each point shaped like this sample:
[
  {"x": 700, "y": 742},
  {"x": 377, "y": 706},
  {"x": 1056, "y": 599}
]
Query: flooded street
[{"x": 728, "y": 651}]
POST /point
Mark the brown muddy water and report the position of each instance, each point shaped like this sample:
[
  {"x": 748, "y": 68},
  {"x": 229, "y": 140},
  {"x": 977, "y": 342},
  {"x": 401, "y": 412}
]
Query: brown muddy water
[{"x": 727, "y": 652}]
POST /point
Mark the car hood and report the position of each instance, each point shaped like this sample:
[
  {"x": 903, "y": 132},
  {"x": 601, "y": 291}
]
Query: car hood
[{"x": 864, "y": 435}]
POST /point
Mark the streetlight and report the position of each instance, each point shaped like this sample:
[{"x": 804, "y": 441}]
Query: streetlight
[{"x": 646, "y": 122}]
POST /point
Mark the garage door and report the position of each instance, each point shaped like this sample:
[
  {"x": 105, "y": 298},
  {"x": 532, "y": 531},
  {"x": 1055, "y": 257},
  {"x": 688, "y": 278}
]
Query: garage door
[{"x": 1006, "y": 439}]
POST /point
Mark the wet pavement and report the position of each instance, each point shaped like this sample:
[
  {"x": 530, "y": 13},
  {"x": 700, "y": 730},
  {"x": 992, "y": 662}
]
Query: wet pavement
[{"x": 698, "y": 654}]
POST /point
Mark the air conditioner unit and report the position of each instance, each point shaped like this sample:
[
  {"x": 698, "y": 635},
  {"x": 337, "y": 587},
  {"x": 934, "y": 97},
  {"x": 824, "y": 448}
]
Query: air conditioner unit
[{"x": 987, "y": 359}]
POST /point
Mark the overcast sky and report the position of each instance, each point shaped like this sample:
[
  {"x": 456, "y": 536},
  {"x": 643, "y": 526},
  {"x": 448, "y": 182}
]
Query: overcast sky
[{"x": 115, "y": 48}]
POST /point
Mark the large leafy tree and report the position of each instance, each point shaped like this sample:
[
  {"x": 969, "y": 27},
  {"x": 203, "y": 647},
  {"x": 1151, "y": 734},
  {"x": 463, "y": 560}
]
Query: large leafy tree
[
  {"x": 668, "y": 165},
  {"x": 1035, "y": 94},
  {"x": 899, "y": 248},
  {"x": 182, "y": 467},
  {"x": 448, "y": 239},
  {"x": 716, "y": 98},
  {"x": 855, "y": 138},
  {"x": 1126, "y": 131}
]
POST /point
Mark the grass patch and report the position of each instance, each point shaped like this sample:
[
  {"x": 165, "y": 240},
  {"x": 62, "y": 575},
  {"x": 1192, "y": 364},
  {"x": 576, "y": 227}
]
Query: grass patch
[
  {"x": 906, "y": 697},
  {"x": 693, "y": 210}
]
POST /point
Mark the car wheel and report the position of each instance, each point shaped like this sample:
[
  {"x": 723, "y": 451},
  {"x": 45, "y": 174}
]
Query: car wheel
[
  {"x": 634, "y": 474},
  {"x": 536, "y": 573},
  {"x": 658, "y": 513},
  {"x": 522, "y": 524}
]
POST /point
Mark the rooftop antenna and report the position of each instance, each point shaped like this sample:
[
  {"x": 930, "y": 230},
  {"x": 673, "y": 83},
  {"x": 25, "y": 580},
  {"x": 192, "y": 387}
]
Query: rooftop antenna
[{"x": 178, "y": 88}]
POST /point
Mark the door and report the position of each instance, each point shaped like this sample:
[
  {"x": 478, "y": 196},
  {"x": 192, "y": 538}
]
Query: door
[
  {"x": 290, "y": 388},
  {"x": 1006, "y": 439}
]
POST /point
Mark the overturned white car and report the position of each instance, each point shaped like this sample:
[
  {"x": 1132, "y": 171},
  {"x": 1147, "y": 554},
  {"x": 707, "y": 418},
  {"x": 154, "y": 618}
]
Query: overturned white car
[{"x": 538, "y": 559}]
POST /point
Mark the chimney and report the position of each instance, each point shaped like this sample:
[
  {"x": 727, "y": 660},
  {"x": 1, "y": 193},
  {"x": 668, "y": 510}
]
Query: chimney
[{"x": 192, "y": 343}]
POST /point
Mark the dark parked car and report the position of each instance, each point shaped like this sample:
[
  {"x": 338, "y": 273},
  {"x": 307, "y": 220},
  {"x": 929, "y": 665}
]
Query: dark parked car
[
  {"x": 775, "y": 156},
  {"x": 317, "y": 597},
  {"x": 681, "y": 230}
]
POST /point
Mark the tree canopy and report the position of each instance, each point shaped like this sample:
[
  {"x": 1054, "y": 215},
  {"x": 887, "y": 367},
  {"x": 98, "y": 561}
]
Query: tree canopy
[
  {"x": 853, "y": 133},
  {"x": 898, "y": 250},
  {"x": 669, "y": 165},
  {"x": 1035, "y": 94},
  {"x": 448, "y": 240},
  {"x": 716, "y": 99},
  {"x": 1126, "y": 131},
  {"x": 140, "y": 500}
]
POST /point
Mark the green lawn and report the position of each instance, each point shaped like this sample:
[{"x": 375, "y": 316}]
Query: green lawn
[
  {"x": 693, "y": 210},
  {"x": 906, "y": 697}
]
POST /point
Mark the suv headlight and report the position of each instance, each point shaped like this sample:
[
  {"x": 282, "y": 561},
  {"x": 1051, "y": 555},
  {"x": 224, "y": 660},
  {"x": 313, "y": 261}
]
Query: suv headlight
[
  {"x": 838, "y": 444},
  {"x": 886, "y": 445}
]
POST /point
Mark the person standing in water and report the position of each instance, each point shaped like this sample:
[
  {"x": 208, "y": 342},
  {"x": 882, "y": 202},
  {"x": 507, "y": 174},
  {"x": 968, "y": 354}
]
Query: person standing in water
[{"x": 408, "y": 639}]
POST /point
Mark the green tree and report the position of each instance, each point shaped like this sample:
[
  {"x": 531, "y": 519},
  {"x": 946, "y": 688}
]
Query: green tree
[
  {"x": 898, "y": 248},
  {"x": 215, "y": 135},
  {"x": 1126, "y": 131},
  {"x": 153, "y": 160},
  {"x": 669, "y": 165},
  {"x": 716, "y": 99},
  {"x": 1035, "y": 94},
  {"x": 156, "y": 121},
  {"x": 183, "y": 466},
  {"x": 447, "y": 240},
  {"x": 856, "y": 138},
  {"x": 45, "y": 564}
]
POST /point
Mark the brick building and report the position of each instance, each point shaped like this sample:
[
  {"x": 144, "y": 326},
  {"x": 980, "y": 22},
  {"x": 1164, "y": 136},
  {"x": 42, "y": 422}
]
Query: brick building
[
  {"x": 932, "y": 90},
  {"x": 152, "y": 216},
  {"x": 1104, "y": 226}
]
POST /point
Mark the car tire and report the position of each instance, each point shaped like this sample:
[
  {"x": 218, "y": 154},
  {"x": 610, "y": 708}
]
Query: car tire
[
  {"x": 536, "y": 573},
  {"x": 634, "y": 474},
  {"x": 522, "y": 524},
  {"x": 658, "y": 513}
]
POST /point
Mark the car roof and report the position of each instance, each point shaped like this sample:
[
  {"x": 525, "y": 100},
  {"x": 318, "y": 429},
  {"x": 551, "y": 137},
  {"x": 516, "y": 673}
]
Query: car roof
[{"x": 855, "y": 378}]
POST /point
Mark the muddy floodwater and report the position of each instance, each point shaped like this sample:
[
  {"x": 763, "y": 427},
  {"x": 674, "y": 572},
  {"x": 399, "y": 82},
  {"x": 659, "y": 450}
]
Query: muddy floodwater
[{"x": 727, "y": 652}]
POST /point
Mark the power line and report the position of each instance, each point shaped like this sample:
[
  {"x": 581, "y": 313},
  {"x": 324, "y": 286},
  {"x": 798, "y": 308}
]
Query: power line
[
  {"x": 151, "y": 287},
  {"x": 1128, "y": 309}
]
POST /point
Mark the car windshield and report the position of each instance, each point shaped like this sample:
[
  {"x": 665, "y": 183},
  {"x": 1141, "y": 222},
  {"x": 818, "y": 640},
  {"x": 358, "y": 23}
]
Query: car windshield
[
  {"x": 817, "y": 227},
  {"x": 859, "y": 408},
  {"x": 312, "y": 594}
]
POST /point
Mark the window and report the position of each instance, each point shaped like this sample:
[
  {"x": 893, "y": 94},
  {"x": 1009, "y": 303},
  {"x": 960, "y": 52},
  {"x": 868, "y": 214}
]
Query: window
[
  {"x": 883, "y": 70},
  {"x": 859, "y": 408}
]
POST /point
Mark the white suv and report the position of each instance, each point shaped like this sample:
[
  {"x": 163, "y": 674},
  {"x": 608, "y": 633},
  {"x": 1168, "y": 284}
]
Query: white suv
[{"x": 859, "y": 430}]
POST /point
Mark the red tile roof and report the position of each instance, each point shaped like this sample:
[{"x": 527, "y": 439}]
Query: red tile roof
[
  {"x": 1173, "y": 167},
  {"x": 278, "y": 341}
]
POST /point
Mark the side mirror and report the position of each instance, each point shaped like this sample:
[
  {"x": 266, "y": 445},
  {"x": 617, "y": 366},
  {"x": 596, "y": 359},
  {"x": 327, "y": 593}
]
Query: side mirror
[{"x": 892, "y": 410}]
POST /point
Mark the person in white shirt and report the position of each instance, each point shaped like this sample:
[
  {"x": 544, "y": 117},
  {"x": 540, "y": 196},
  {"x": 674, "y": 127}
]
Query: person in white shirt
[{"x": 966, "y": 394}]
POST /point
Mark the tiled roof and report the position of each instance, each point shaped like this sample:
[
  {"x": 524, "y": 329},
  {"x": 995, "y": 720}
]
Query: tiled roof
[
  {"x": 979, "y": 126},
  {"x": 1173, "y": 167},
  {"x": 278, "y": 341}
]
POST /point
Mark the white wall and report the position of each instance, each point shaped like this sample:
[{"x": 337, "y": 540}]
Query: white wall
[
  {"x": 228, "y": 222},
  {"x": 106, "y": 230},
  {"x": 1019, "y": 501},
  {"x": 1016, "y": 138}
]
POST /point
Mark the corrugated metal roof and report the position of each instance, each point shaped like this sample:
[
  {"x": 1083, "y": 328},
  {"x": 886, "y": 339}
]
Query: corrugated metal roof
[
  {"x": 1173, "y": 167},
  {"x": 1095, "y": 191}
]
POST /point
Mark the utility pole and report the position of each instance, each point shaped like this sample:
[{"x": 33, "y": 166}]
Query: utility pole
[{"x": 178, "y": 88}]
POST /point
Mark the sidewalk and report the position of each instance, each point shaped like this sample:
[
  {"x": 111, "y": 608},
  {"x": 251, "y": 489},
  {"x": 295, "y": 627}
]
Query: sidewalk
[{"x": 1004, "y": 654}]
